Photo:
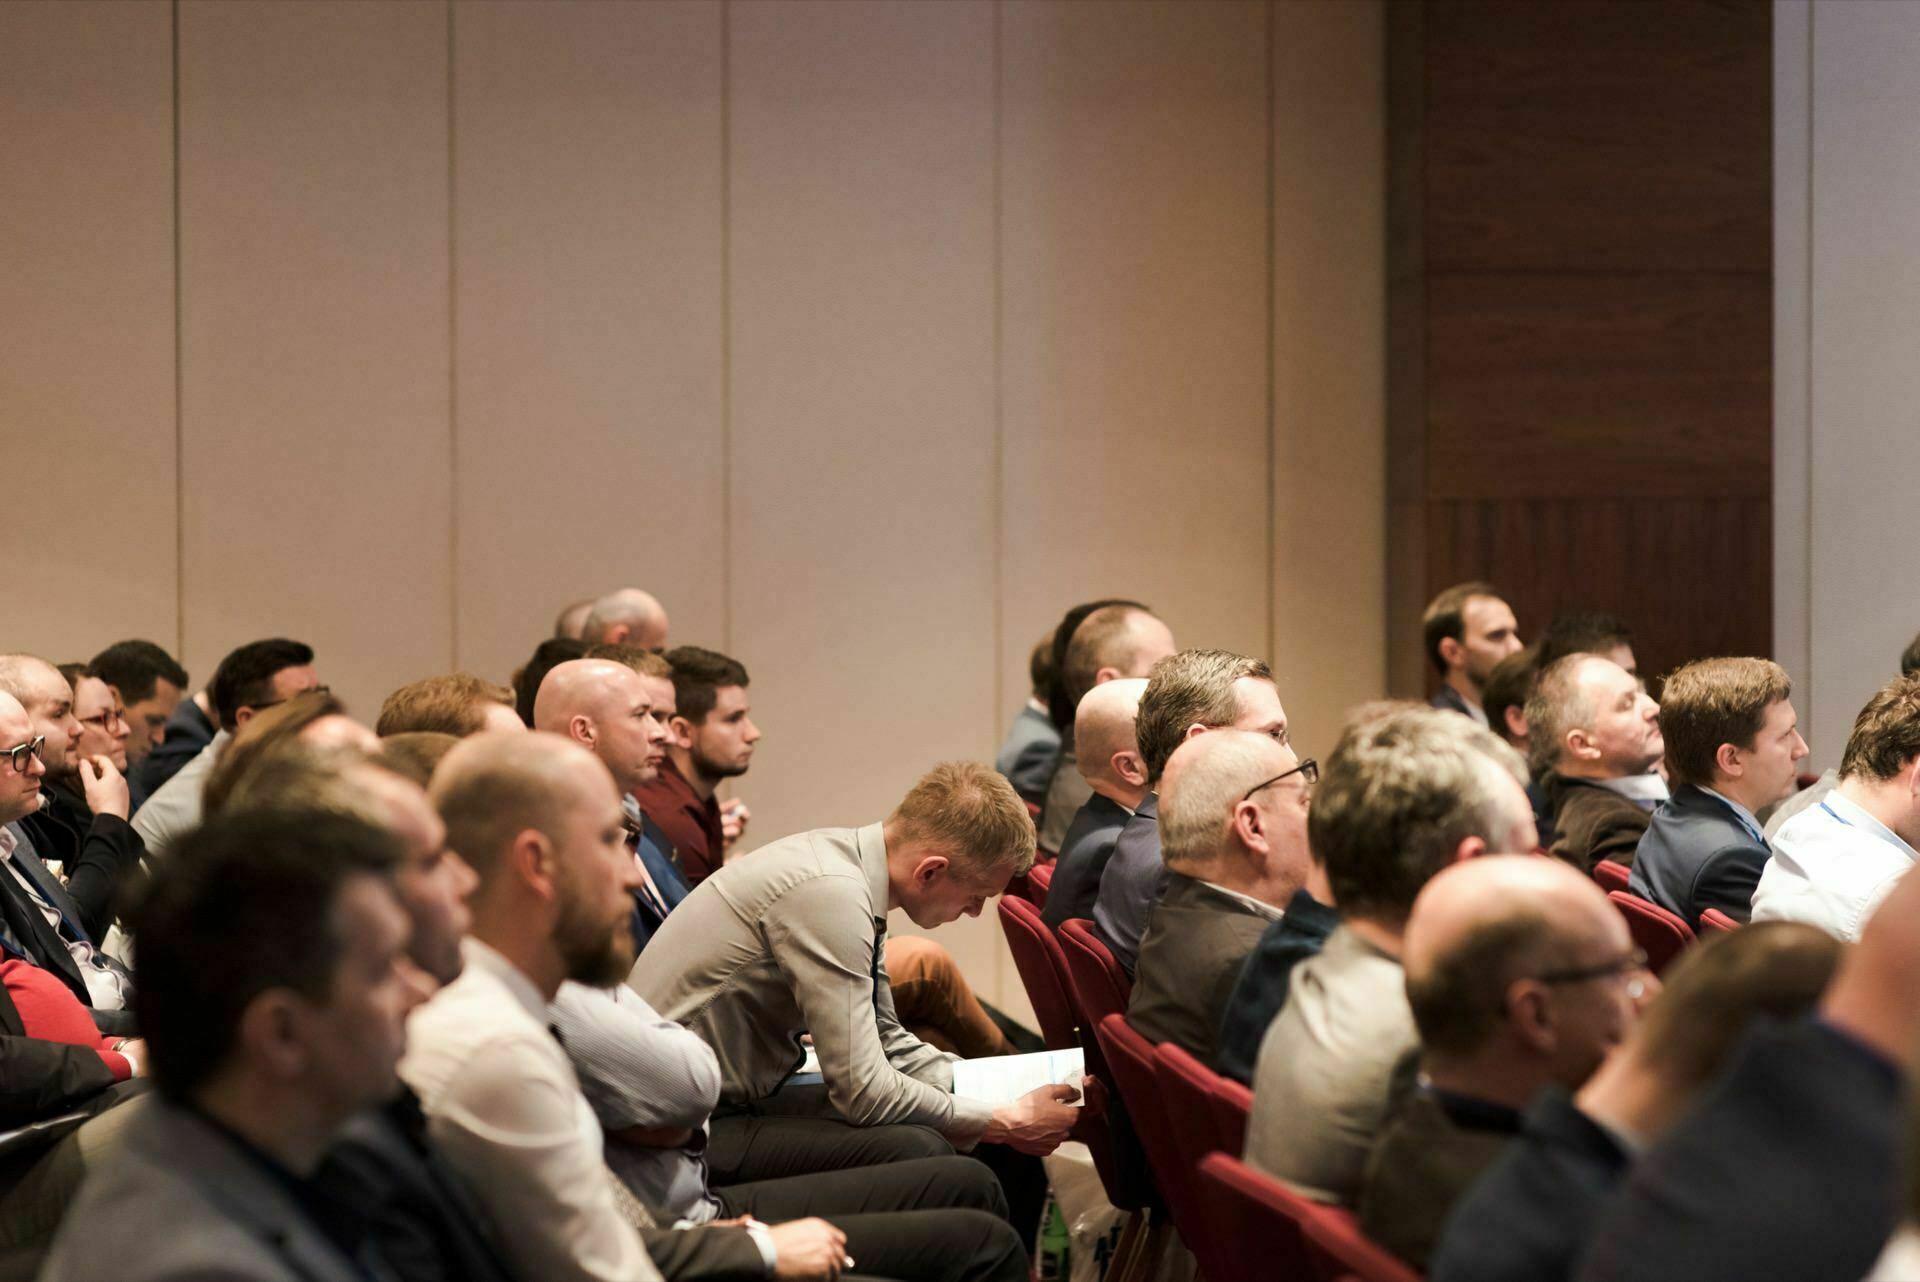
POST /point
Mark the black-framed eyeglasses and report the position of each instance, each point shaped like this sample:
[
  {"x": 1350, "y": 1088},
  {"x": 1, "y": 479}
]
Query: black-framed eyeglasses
[
  {"x": 104, "y": 720},
  {"x": 1627, "y": 965},
  {"x": 1308, "y": 770},
  {"x": 33, "y": 749}
]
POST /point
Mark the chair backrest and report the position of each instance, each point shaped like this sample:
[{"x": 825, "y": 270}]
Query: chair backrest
[
  {"x": 1099, "y": 985},
  {"x": 1043, "y": 971},
  {"x": 1131, "y": 1057},
  {"x": 1259, "y": 1222},
  {"x": 1232, "y": 1102},
  {"x": 1660, "y": 934},
  {"x": 1039, "y": 879},
  {"x": 1345, "y": 1254},
  {"x": 1611, "y": 875},
  {"x": 1186, "y": 1092},
  {"x": 1713, "y": 921}
]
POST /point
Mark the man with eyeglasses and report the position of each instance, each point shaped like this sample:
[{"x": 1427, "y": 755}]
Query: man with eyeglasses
[
  {"x": 1233, "y": 833},
  {"x": 79, "y": 833},
  {"x": 253, "y": 678},
  {"x": 1521, "y": 976}
]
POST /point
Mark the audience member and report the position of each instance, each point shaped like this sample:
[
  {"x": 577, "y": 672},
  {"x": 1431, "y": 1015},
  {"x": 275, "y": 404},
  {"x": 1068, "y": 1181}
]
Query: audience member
[
  {"x": 546, "y": 656},
  {"x": 1108, "y": 758},
  {"x": 1031, "y": 749},
  {"x": 39, "y": 919},
  {"x": 792, "y": 941},
  {"x": 1405, "y": 794},
  {"x": 275, "y": 992},
  {"x": 1588, "y": 633},
  {"x": 150, "y": 685},
  {"x": 188, "y": 729},
  {"x": 1260, "y": 989},
  {"x": 1467, "y": 629},
  {"x": 1833, "y": 864},
  {"x": 1520, "y": 976},
  {"x": 627, "y": 616},
  {"x": 1816, "y": 792},
  {"x": 1187, "y": 694},
  {"x": 1233, "y": 833},
  {"x": 1509, "y": 687},
  {"x": 104, "y": 731},
  {"x": 1530, "y": 1216},
  {"x": 1732, "y": 745},
  {"x": 1092, "y": 646},
  {"x": 80, "y": 828},
  {"x": 710, "y": 741},
  {"x": 416, "y": 755},
  {"x": 1790, "y": 1166},
  {"x": 571, "y": 623},
  {"x": 1596, "y": 740},
  {"x": 251, "y": 679},
  {"x": 458, "y": 704},
  {"x": 314, "y": 719}
]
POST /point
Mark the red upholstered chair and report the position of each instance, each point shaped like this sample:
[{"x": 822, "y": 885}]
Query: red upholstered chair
[
  {"x": 1610, "y": 875},
  {"x": 1344, "y": 1254},
  {"x": 1715, "y": 922},
  {"x": 1186, "y": 1087},
  {"x": 1232, "y": 1103},
  {"x": 1043, "y": 971},
  {"x": 1259, "y": 1233},
  {"x": 1039, "y": 878},
  {"x": 1660, "y": 934},
  {"x": 1099, "y": 985},
  {"x": 1131, "y": 1057}
]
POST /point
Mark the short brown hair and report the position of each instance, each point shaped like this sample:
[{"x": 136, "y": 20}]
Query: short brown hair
[
  {"x": 1446, "y": 616},
  {"x": 1886, "y": 734},
  {"x": 448, "y": 704},
  {"x": 699, "y": 675},
  {"x": 415, "y": 754},
  {"x": 641, "y": 660},
  {"x": 1193, "y": 687},
  {"x": 1715, "y": 701},
  {"x": 1511, "y": 685},
  {"x": 1104, "y": 639},
  {"x": 262, "y": 737},
  {"x": 1910, "y": 660},
  {"x": 1398, "y": 794},
  {"x": 973, "y": 811}
]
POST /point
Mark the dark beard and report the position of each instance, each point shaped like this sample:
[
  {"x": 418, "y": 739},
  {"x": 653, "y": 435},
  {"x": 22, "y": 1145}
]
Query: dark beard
[{"x": 595, "y": 959}]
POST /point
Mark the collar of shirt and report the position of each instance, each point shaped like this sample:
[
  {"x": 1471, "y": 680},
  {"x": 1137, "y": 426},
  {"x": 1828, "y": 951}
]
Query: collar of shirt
[
  {"x": 1741, "y": 813},
  {"x": 872, "y": 841},
  {"x": 1645, "y": 791},
  {"x": 1260, "y": 906},
  {"x": 8, "y": 843},
  {"x": 509, "y": 975},
  {"x": 1853, "y": 815},
  {"x": 1471, "y": 1112}
]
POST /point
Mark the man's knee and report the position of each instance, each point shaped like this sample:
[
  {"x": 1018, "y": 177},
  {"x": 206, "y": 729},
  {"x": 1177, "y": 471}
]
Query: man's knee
[
  {"x": 974, "y": 1185},
  {"x": 998, "y": 1254},
  {"x": 903, "y": 1143}
]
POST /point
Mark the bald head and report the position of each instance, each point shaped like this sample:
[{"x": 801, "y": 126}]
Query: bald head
[
  {"x": 627, "y": 616},
  {"x": 1103, "y": 731},
  {"x": 1205, "y": 780},
  {"x": 571, "y": 622},
  {"x": 1520, "y": 967},
  {"x": 494, "y": 786},
  {"x": 607, "y": 708},
  {"x": 48, "y": 699}
]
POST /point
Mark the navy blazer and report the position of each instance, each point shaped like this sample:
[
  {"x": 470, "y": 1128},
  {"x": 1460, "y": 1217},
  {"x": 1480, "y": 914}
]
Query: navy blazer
[
  {"x": 1697, "y": 854},
  {"x": 1131, "y": 884},
  {"x": 1261, "y": 989},
  {"x": 656, "y": 854},
  {"x": 1083, "y": 857},
  {"x": 1529, "y": 1217}
]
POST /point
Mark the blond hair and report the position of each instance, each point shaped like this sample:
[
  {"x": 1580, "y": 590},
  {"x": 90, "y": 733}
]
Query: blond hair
[{"x": 973, "y": 813}]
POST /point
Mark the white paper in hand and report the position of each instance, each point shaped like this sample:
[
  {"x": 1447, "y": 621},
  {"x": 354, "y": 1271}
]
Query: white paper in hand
[{"x": 1002, "y": 1079}]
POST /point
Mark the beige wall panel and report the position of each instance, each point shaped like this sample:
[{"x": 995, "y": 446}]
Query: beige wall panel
[
  {"x": 1134, "y": 319},
  {"x": 86, "y": 330},
  {"x": 862, "y": 390},
  {"x": 314, "y": 335},
  {"x": 1329, "y": 362},
  {"x": 587, "y": 230}
]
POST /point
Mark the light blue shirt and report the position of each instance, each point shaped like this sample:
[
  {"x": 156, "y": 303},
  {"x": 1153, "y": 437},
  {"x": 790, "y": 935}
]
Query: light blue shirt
[{"x": 1832, "y": 864}]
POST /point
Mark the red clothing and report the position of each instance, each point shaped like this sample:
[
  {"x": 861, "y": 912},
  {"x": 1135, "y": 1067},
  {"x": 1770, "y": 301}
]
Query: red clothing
[
  {"x": 50, "y": 1012},
  {"x": 691, "y": 824}
]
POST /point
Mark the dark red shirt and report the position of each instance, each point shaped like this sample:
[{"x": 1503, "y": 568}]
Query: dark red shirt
[
  {"x": 691, "y": 824},
  {"x": 49, "y": 1012}
]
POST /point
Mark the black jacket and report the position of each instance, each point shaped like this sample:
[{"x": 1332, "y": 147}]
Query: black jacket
[
  {"x": 40, "y": 1079},
  {"x": 1697, "y": 855},
  {"x": 1084, "y": 852},
  {"x": 1261, "y": 988},
  {"x": 97, "y": 852}
]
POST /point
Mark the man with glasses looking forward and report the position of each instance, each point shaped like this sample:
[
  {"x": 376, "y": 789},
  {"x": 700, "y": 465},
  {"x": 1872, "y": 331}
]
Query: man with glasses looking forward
[{"x": 1233, "y": 834}]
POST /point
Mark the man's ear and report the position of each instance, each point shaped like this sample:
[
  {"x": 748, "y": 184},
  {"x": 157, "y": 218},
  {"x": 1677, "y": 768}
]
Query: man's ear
[
  {"x": 929, "y": 869},
  {"x": 580, "y": 729},
  {"x": 532, "y": 859},
  {"x": 1105, "y": 675},
  {"x": 1452, "y": 653},
  {"x": 1192, "y": 730},
  {"x": 270, "y": 1033},
  {"x": 681, "y": 731},
  {"x": 1531, "y": 1013},
  {"x": 1579, "y": 744},
  {"x": 619, "y": 634},
  {"x": 1727, "y": 759},
  {"x": 1516, "y": 721},
  {"x": 1250, "y": 826},
  {"x": 1469, "y": 848},
  {"x": 1127, "y": 764}
]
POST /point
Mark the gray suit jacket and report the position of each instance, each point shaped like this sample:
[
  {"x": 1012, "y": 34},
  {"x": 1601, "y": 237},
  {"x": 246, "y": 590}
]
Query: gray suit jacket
[
  {"x": 1132, "y": 884},
  {"x": 1189, "y": 961},
  {"x": 181, "y": 1203},
  {"x": 1031, "y": 751}
]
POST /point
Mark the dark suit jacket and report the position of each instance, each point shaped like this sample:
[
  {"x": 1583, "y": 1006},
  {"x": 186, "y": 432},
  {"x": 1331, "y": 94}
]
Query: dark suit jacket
[
  {"x": 1695, "y": 855},
  {"x": 1592, "y": 822},
  {"x": 656, "y": 853},
  {"x": 1260, "y": 990},
  {"x": 1448, "y": 699},
  {"x": 96, "y": 852},
  {"x": 1083, "y": 857},
  {"x": 429, "y": 1226},
  {"x": 1029, "y": 755},
  {"x": 1131, "y": 884},
  {"x": 188, "y": 730},
  {"x": 1529, "y": 1217},
  {"x": 1789, "y": 1170},
  {"x": 40, "y": 1079},
  {"x": 1189, "y": 960},
  {"x": 1432, "y": 1150}
]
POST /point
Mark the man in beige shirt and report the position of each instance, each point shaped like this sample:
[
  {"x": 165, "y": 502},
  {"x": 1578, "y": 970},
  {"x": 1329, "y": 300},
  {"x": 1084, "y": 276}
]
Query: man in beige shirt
[{"x": 791, "y": 941}]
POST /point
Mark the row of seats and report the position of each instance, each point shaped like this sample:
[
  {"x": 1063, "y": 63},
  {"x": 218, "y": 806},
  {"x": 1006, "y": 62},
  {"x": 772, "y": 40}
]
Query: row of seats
[{"x": 1662, "y": 935}]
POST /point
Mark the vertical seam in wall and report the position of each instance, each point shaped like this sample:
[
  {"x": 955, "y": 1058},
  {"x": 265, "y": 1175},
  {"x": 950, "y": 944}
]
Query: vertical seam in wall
[
  {"x": 999, "y": 504},
  {"x": 1806, "y": 576},
  {"x": 179, "y": 421},
  {"x": 1273, "y": 403},
  {"x": 453, "y": 366},
  {"x": 726, "y": 322}
]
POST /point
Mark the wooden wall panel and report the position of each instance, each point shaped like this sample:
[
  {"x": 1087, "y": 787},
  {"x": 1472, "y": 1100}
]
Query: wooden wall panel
[
  {"x": 87, "y": 332},
  {"x": 589, "y": 388},
  {"x": 1134, "y": 333},
  {"x": 314, "y": 335}
]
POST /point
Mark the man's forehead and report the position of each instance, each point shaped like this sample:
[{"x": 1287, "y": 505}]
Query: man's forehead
[{"x": 1487, "y": 611}]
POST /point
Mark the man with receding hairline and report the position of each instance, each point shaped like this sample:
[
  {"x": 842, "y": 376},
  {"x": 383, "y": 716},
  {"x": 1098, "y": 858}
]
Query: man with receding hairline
[
  {"x": 1108, "y": 758},
  {"x": 1467, "y": 629},
  {"x": 1596, "y": 739},
  {"x": 627, "y": 616}
]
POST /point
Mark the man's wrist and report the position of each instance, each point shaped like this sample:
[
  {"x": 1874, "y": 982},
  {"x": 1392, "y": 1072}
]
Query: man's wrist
[{"x": 763, "y": 1238}]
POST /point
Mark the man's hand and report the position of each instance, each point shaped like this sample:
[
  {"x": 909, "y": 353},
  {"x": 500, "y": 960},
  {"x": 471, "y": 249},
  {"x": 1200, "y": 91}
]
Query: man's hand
[
  {"x": 106, "y": 789},
  {"x": 734, "y": 817},
  {"x": 809, "y": 1249},
  {"x": 1037, "y": 1122},
  {"x": 135, "y": 1050}
]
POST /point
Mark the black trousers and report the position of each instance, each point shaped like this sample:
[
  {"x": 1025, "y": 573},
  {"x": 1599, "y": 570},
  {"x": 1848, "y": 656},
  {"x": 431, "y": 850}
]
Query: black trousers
[{"x": 942, "y": 1219}]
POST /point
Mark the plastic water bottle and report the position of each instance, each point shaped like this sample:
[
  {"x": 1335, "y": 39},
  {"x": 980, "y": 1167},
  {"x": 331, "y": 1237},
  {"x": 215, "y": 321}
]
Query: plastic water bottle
[{"x": 1056, "y": 1245}]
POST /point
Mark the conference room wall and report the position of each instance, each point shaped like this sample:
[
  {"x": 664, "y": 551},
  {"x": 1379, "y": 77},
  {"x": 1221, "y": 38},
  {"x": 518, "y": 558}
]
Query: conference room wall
[
  {"x": 1847, "y": 302},
  {"x": 869, "y": 336}
]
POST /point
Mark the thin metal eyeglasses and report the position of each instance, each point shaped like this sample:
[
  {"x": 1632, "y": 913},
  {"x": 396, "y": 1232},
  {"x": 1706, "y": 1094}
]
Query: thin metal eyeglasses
[
  {"x": 18, "y": 755},
  {"x": 1627, "y": 965},
  {"x": 1308, "y": 769}
]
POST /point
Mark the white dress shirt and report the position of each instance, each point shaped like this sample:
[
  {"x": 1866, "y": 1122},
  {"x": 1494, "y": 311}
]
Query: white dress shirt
[
  {"x": 504, "y": 1106},
  {"x": 1832, "y": 864},
  {"x": 174, "y": 808}
]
